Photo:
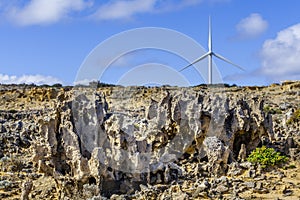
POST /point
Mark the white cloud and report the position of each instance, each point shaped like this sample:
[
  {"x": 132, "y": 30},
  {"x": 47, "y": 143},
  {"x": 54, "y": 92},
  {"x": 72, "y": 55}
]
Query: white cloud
[
  {"x": 280, "y": 56},
  {"x": 44, "y": 11},
  {"x": 124, "y": 9},
  {"x": 28, "y": 79},
  {"x": 40, "y": 12},
  {"x": 171, "y": 5},
  {"x": 251, "y": 26}
]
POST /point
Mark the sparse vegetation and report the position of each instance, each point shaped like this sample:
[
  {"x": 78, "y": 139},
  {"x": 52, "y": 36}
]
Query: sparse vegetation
[
  {"x": 59, "y": 85},
  {"x": 269, "y": 109},
  {"x": 217, "y": 85},
  {"x": 11, "y": 164},
  {"x": 292, "y": 166},
  {"x": 95, "y": 84},
  {"x": 295, "y": 117},
  {"x": 266, "y": 157}
]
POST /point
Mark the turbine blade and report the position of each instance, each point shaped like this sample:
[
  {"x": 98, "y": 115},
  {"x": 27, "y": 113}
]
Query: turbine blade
[
  {"x": 228, "y": 61},
  {"x": 209, "y": 35},
  {"x": 197, "y": 60}
]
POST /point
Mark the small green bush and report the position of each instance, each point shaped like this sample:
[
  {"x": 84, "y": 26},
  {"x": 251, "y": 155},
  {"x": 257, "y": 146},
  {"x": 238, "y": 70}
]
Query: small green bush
[
  {"x": 266, "y": 157},
  {"x": 268, "y": 109},
  {"x": 289, "y": 167},
  {"x": 295, "y": 117}
]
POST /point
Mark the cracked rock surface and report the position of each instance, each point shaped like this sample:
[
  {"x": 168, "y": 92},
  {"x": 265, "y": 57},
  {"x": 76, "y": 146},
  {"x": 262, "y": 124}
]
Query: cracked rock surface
[{"x": 147, "y": 143}]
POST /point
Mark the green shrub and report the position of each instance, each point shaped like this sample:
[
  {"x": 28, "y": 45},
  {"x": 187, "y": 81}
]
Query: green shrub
[
  {"x": 295, "y": 117},
  {"x": 266, "y": 157},
  {"x": 268, "y": 109},
  {"x": 57, "y": 85},
  {"x": 289, "y": 167}
]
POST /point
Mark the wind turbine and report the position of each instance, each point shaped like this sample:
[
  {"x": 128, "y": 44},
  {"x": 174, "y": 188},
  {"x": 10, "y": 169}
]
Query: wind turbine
[{"x": 210, "y": 54}]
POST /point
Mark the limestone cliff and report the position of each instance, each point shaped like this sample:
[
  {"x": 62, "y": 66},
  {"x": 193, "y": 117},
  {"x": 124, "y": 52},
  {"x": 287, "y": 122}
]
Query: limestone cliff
[{"x": 146, "y": 143}]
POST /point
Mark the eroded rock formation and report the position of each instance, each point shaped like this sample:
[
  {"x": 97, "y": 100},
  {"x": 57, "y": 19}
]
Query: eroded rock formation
[{"x": 140, "y": 143}]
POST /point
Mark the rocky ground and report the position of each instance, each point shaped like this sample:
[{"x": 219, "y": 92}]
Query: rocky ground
[{"x": 147, "y": 143}]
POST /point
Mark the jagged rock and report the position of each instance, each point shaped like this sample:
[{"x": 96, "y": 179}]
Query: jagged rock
[
  {"x": 117, "y": 197},
  {"x": 90, "y": 191},
  {"x": 246, "y": 165},
  {"x": 294, "y": 153},
  {"x": 243, "y": 153},
  {"x": 217, "y": 154},
  {"x": 258, "y": 185},
  {"x": 203, "y": 186},
  {"x": 26, "y": 189},
  {"x": 261, "y": 191},
  {"x": 90, "y": 143},
  {"x": 5, "y": 184},
  {"x": 234, "y": 169},
  {"x": 286, "y": 191},
  {"x": 221, "y": 189},
  {"x": 250, "y": 184},
  {"x": 2, "y": 128}
]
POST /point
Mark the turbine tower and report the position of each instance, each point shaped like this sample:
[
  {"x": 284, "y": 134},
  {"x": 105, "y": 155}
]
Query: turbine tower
[{"x": 210, "y": 54}]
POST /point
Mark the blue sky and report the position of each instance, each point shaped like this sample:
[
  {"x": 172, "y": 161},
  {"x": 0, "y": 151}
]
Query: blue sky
[{"x": 46, "y": 41}]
